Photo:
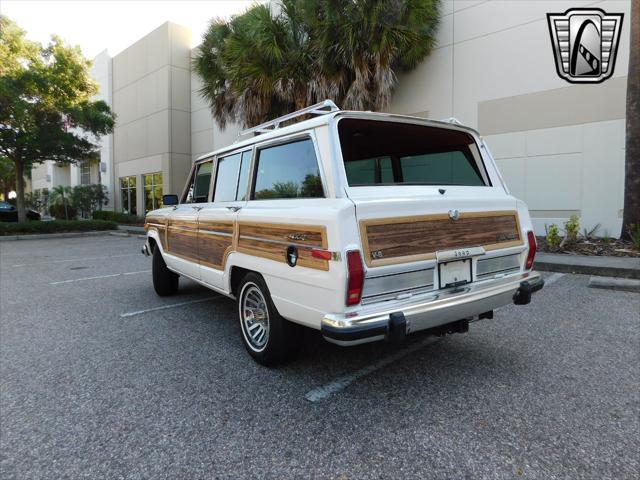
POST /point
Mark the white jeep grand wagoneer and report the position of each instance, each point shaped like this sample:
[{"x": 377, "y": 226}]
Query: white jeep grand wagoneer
[{"x": 365, "y": 226}]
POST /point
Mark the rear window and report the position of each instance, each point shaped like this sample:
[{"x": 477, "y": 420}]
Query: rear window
[{"x": 392, "y": 153}]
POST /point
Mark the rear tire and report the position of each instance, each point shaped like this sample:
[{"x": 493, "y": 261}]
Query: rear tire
[
  {"x": 269, "y": 338},
  {"x": 165, "y": 282}
]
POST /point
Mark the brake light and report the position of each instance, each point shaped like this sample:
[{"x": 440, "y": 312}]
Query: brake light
[
  {"x": 532, "y": 250},
  {"x": 355, "y": 277}
]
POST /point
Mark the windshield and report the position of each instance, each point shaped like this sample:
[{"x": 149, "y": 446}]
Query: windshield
[{"x": 394, "y": 153}]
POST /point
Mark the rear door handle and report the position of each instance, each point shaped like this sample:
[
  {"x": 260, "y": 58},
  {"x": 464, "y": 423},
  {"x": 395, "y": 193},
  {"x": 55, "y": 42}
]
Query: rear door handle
[
  {"x": 197, "y": 208},
  {"x": 234, "y": 209}
]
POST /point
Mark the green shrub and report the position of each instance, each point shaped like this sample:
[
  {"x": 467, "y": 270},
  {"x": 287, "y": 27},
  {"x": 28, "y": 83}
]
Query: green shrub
[
  {"x": 57, "y": 210},
  {"x": 553, "y": 237},
  {"x": 572, "y": 228},
  {"x": 634, "y": 233},
  {"x": 56, "y": 226},
  {"x": 118, "y": 217}
]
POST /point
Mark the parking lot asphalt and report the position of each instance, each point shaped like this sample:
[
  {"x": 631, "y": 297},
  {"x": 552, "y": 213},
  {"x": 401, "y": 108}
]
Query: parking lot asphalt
[{"x": 98, "y": 381}]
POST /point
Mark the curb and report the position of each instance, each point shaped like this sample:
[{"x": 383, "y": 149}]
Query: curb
[
  {"x": 45, "y": 236},
  {"x": 584, "y": 265},
  {"x": 622, "y": 284}
]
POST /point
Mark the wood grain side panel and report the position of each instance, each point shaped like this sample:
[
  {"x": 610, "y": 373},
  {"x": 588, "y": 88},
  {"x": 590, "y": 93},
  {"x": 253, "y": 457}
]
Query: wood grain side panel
[
  {"x": 407, "y": 239},
  {"x": 215, "y": 242},
  {"x": 159, "y": 224},
  {"x": 161, "y": 234},
  {"x": 272, "y": 240},
  {"x": 309, "y": 235},
  {"x": 182, "y": 238}
]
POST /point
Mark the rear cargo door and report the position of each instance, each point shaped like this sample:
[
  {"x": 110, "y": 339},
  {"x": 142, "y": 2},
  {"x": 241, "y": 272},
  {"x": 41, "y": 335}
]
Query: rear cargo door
[{"x": 421, "y": 191}]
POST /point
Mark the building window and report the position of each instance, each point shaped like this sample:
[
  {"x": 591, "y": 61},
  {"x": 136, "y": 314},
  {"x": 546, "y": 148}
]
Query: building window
[
  {"x": 128, "y": 195},
  {"x": 85, "y": 173},
  {"x": 152, "y": 191}
]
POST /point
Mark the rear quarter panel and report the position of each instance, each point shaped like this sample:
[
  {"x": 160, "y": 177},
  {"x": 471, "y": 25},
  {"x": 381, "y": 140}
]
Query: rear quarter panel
[{"x": 306, "y": 292}]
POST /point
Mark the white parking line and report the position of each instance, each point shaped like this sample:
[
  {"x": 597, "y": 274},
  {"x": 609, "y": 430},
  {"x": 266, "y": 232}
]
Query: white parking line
[
  {"x": 77, "y": 259},
  {"x": 98, "y": 277},
  {"x": 553, "y": 279},
  {"x": 164, "y": 307},
  {"x": 325, "y": 391}
]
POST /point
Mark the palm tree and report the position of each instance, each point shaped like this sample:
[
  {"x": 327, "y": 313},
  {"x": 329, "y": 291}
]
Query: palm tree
[
  {"x": 267, "y": 62},
  {"x": 58, "y": 196},
  {"x": 631, "y": 215}
]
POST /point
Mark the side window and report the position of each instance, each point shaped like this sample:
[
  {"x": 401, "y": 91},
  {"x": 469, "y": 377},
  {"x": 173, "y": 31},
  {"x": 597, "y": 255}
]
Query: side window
[
  {"x": 199, "y": 186},
  {"x": 243, "y": 180},
  {"x": 232, "y": 177},
  {"x": 227, "y": 178},
  {"x": 288, "y": 171}
]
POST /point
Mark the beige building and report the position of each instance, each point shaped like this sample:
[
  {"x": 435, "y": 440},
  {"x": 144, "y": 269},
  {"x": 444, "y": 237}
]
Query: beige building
[
  {"x": 560, "y": 146},
  {"x": 152, "y": 151}
]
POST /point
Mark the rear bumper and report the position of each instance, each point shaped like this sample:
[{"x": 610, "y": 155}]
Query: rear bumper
[{"x": 395, "y": 319}]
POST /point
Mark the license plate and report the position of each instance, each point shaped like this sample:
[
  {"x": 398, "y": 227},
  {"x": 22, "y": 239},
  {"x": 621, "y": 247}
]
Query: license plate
[{"x": 456, "y": 273}]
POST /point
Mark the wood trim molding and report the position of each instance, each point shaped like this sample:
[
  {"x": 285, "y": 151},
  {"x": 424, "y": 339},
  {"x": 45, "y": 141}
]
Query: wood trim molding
[
  {"x": 416, "y": 243},
  {"x": 270, "y": 240},
  {"x": 212, "y": 241}
]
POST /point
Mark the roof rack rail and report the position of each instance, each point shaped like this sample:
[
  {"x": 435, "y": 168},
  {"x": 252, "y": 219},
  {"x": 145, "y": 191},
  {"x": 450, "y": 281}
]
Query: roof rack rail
[
  {"x": 321, "y": 108},
  {"x": 453, "y": 121}
]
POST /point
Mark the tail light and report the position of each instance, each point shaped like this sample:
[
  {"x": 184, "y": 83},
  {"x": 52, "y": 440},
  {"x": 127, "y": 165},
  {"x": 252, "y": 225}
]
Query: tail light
[
  {"x": 532, "y": 250},
  {"x": 355, "y": 277}
]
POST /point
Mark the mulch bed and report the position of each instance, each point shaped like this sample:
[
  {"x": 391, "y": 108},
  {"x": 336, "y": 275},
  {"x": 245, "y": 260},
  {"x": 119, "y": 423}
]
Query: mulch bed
[{"x": 595, "y": 246}]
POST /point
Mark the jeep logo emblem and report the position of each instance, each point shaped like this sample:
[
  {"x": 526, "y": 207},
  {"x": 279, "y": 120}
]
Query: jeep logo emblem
[{"x": 454, "y": 214}]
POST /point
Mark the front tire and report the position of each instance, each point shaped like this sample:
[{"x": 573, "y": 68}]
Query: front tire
[
  {"x": 165, "y": 282},
  {"x": 269, "y": 338}
]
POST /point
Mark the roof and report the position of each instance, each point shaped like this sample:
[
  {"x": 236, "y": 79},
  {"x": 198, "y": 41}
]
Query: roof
[{"x": 326, "y": 119}]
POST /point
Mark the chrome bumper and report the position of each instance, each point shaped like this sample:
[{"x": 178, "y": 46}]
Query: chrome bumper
[{"x": 398, "y": 318}]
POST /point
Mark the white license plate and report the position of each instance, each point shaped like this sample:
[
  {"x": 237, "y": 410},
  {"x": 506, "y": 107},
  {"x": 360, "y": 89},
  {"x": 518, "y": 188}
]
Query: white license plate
[{"x": 454, "y": 273}]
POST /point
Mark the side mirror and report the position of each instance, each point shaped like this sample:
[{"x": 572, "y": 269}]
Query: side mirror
[{"x": 168, "y": 200}]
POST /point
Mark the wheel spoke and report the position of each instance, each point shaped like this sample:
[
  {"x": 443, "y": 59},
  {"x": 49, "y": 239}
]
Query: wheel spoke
[
  {"x": 253, "y": 326},
  {"x": 255, "y": 321}
]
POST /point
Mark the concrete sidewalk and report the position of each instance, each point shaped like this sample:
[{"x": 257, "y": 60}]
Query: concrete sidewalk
[{"x": 622, "y": 267}]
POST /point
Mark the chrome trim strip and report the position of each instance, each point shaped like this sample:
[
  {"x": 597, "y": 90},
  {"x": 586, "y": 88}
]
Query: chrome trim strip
[
  {"x": 279, "y": 242},
  {"x": 183, "y": 229},
  {"x": 398, "y": 283},
  {"x": 215, "y": 232},
  {"x": 161, "y": 225},
  {"x": 382, "y": 297}
]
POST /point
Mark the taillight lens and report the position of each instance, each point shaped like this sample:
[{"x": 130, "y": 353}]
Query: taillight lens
[
  {"x": 356, "y": 277},
  {"x": 532, "y": 250}
]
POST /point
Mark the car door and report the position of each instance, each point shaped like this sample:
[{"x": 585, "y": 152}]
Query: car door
[
  {"x": 182, "y": 223},
  {"x": 217, "y": 220}
]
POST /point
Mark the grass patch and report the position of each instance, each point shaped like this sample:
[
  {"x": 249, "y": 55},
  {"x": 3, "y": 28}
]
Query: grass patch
[
  {"x": 123, "y": 218},
  {"x": 56, "y": 226}
]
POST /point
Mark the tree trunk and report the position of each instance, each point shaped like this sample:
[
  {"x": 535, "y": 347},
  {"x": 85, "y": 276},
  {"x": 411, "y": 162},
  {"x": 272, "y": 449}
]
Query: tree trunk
[
  {"x": 631, "y": 215},
  {"x": 22, "y": 213}
]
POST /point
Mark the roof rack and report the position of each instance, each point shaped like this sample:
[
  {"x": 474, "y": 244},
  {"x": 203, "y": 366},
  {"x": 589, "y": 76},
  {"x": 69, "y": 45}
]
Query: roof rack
[
  {"x": 321, "y": 108},
  {"x": 453, "y": 121}
]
